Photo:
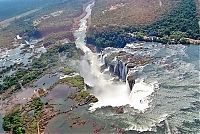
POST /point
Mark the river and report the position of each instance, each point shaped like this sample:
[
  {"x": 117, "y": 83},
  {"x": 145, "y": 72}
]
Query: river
[
  {"x": 177, "y": 74},
  {"x": 175, "y": 101}
]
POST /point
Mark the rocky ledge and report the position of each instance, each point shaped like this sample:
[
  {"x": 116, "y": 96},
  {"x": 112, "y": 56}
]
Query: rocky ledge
[{"x": 122, "y": 63}]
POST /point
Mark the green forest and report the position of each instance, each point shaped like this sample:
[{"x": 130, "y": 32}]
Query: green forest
[
  {"x": 16, "y": 120},
  {"x": 181, "y": 21}
]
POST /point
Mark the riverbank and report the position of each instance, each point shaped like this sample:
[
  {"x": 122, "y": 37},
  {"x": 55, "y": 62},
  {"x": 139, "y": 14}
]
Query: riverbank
[
  {"x": 184, "y": 41},
  {"x": 44, "y": 24}
]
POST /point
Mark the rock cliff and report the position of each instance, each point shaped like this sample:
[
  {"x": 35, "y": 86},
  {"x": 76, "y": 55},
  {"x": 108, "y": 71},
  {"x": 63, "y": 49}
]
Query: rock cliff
[{"x": 122, "y": 64}]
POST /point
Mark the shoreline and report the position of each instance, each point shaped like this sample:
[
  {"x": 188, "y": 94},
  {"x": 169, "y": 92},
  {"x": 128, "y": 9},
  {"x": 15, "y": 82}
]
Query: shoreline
[{"x": 170, "y": 41}]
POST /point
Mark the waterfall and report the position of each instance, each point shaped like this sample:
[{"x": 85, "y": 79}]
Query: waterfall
[
  {"x": 127, "y": 85},
  {"x": 103, "y": 58},
  {"x": 120, "y": 69},
  {"x": 124, "y": 72},
  {"x": 108, "y": 92},
  {"x": 116, "y": 69}
]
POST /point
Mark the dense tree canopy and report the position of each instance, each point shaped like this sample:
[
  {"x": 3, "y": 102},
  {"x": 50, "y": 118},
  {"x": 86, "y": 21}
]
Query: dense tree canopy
[{"x": 15, "y": 120}]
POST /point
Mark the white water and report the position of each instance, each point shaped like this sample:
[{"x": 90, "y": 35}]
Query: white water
[
  {"x": 109, "y": 93},
  {"x": 160, "y": 3}
]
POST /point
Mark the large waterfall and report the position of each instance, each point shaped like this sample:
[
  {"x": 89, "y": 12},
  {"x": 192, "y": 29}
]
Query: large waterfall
[{"x": 109, "y": 92}]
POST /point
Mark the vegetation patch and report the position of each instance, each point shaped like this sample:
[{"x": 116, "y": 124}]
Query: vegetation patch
[
  {"x": 57, "y": 38},
  {"x": 181, "y": 22},
  {"x": 76, "y": 81},
  {"x": 38, "y": 66},
  {"x": 24, "y": 119},
  {"x": 83, "y": 97},
  {"x": 67, "y": 70}
]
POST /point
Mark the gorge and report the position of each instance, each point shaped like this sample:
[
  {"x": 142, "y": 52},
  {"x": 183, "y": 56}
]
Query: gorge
[
  {"x": 163, "y": 80},
  {"x": 101, "y": 82}
]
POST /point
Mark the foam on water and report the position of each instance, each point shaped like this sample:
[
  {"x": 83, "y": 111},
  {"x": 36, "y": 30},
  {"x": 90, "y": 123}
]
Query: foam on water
[
  {"x": 118, "y": 94},
  {"x": 139, "y": 97}
]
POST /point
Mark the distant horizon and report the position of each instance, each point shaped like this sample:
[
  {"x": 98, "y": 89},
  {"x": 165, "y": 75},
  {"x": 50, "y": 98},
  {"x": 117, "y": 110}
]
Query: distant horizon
[{"x": 12, "y": 8}]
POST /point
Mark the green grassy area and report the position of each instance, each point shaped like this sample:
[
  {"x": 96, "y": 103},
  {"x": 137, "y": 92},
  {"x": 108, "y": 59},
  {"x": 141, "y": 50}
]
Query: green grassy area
[
  {"x": 84, "y": 96},
  {"x": 76, "y": 81},
  {"x": 67, "y": 70}
]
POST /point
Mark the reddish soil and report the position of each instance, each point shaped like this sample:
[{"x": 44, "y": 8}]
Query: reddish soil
[
  {"x": 50, "y": 30},
  {"x": 130, "y": 12}
]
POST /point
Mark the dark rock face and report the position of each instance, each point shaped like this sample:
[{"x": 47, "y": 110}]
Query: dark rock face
[
  {"x": 131, "y": 81},
  {"x": 119, "y": 110},
  {"x": 118, "y": 68},
  {"x": 111, "y": 68},
  {"x": 122, "y": 64}
]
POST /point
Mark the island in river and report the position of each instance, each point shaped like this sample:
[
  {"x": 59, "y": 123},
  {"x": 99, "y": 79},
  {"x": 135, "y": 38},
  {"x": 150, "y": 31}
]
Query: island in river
[{"x": 59, "y": 86}]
